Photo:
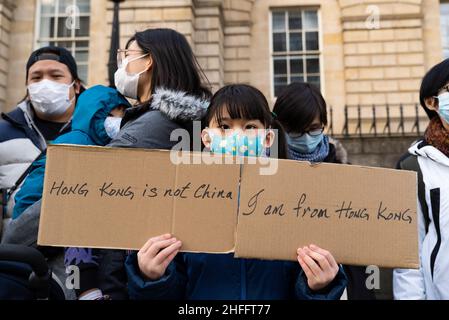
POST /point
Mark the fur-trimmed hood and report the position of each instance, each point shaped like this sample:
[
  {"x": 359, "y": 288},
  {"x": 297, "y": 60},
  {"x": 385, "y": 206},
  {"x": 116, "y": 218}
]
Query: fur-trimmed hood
[
  {"x": 151, "y": 125},
  {"x": 178, "y": 105}
]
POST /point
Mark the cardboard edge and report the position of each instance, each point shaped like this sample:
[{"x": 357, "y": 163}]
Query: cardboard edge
[{"x": 43, "y": 200}]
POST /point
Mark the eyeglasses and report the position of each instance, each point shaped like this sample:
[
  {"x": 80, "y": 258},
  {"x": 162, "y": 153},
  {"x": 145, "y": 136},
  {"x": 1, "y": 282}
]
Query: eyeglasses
[
  {"x": 122, "y": 54},
  {"x": 313, "y": 133}
]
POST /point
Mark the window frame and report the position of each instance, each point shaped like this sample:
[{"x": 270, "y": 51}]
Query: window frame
[
  {"x": 38, "y": 40},
  {"x": 443, "y": 48},
  {"x": 288, "y": 54}
]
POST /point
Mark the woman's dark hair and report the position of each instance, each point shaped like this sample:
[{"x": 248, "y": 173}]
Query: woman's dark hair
[
  {"x": 298, "y": 105},
  {"x": 245, "y": 102},
  {"x": 174, "y": 64},
  {"x": 433, "y": 81}
]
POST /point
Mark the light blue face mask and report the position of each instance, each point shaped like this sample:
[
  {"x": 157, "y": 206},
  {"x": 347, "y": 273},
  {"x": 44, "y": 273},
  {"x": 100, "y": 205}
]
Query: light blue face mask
[
  {"x": 304, "y": 144},
  {"x": 443, "y": 106},
  {"x": 112, "y": 126},
  {"x": 237, "y": 144}
]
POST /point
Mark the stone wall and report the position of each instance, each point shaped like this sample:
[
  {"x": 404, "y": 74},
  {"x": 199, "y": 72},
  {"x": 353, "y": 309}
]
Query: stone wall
[
  {"x": 238, "y": 34},
  {"x": 231, "y": 39},
  {"x": 376, "y": 152},
  {"x": 385, "y": 63}
]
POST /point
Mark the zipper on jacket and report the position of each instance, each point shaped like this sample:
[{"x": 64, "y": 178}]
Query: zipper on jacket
[{"x": 33, "y": 126}]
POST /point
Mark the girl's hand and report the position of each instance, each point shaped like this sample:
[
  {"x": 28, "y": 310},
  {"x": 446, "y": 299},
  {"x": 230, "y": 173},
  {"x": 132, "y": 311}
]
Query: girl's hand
[
  {"x": 156, "y": 255},
  {"x": 319, "y": 266}
]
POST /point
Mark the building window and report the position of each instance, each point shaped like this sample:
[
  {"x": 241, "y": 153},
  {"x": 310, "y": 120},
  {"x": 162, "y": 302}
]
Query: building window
[
  {"x": 444, "y": 20},
  {"x": 65, "y": 23},
  {"x": 295, "y": 47}
]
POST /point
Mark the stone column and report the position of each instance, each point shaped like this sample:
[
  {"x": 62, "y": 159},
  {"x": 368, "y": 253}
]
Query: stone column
[
  {"x": 237, "y": 43},
  {"x": 209, "y": 40},
  {"x": 6, "y": 13}
]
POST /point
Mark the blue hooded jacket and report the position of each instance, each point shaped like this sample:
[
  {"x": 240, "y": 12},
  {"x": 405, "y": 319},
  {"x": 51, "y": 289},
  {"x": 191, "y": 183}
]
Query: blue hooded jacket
[
  {"x": 92, "y": 108},
  {"x": 202, "y": 276}
]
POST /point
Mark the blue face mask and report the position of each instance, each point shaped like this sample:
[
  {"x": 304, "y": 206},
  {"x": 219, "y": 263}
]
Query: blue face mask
[
  {"x": 443, "y": 106},
  {"x": 304, "y": 144},
  {"x": 237, "y": 144},
  {"x": 112, "y": 126}
]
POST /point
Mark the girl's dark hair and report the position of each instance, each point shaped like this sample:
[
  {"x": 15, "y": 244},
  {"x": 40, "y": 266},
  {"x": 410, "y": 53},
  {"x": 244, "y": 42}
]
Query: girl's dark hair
[
  {"x": 433, "y": 81},
  {"x": 245, "y": 102},
  {"x": 298, "y": 105},
  {"x": 174, "y": 65}
]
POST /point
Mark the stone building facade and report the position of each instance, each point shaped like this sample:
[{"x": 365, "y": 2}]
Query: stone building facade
[{"x": 358, "y": 51}]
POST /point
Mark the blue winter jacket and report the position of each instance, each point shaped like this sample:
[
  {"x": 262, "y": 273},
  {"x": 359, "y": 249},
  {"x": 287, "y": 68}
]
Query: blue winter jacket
[
  {"x": 200, "y": 276},
  {"x": 92, "y": 108}
]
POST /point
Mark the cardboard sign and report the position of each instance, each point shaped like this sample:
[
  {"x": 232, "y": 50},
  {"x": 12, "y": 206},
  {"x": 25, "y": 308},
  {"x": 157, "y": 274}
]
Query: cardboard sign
[
  {"x": 118, "y": 198},
  {"x": 362, "y": 215}
]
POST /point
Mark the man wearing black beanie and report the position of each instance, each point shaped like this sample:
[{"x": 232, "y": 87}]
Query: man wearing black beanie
[{"x": 45, "y": 113}]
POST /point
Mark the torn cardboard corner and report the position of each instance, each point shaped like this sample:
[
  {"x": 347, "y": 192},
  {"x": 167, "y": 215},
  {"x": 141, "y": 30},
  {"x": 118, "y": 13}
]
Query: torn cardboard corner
[{"x": 118, "y": 198}]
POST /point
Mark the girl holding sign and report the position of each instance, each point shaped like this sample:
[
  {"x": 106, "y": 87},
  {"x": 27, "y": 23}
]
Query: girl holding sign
[{"x": 239, "y": 122}]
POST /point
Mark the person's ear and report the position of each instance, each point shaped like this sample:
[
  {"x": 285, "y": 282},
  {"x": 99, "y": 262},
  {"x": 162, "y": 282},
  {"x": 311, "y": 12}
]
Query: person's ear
[
  {"x": 269, "y": 138},
  {"x": 431, "y": 103},
  {"x": 206, "y": 138},
  {"x": 149, "y": 64},
  {"x": 77, "y": 87}
]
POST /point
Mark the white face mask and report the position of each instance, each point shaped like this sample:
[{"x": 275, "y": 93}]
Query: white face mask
[
  {"x": 127, "y": 84},
  {"x": 50, "y": 98},
  {"x": 112, "y": 126}
]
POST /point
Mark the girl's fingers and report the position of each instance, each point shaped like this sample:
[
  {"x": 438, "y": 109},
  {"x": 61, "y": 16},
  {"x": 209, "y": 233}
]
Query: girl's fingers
[
  {"x": 306, "y": 269},
  {"x": 159, "y": 245},
  {"x": 150, "y": 241},
  {"x": 169, "y": 259},
  {"x": 165, "y": 253},
  {"x": 322, "y": 261},
  {"x": 146, "y": 246},
  {"x": 314, "y": 267},
  {"x": 325, "y": 253}
]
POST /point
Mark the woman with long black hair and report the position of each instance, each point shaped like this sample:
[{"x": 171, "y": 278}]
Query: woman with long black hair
[{"x": 159, "y": 70}]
